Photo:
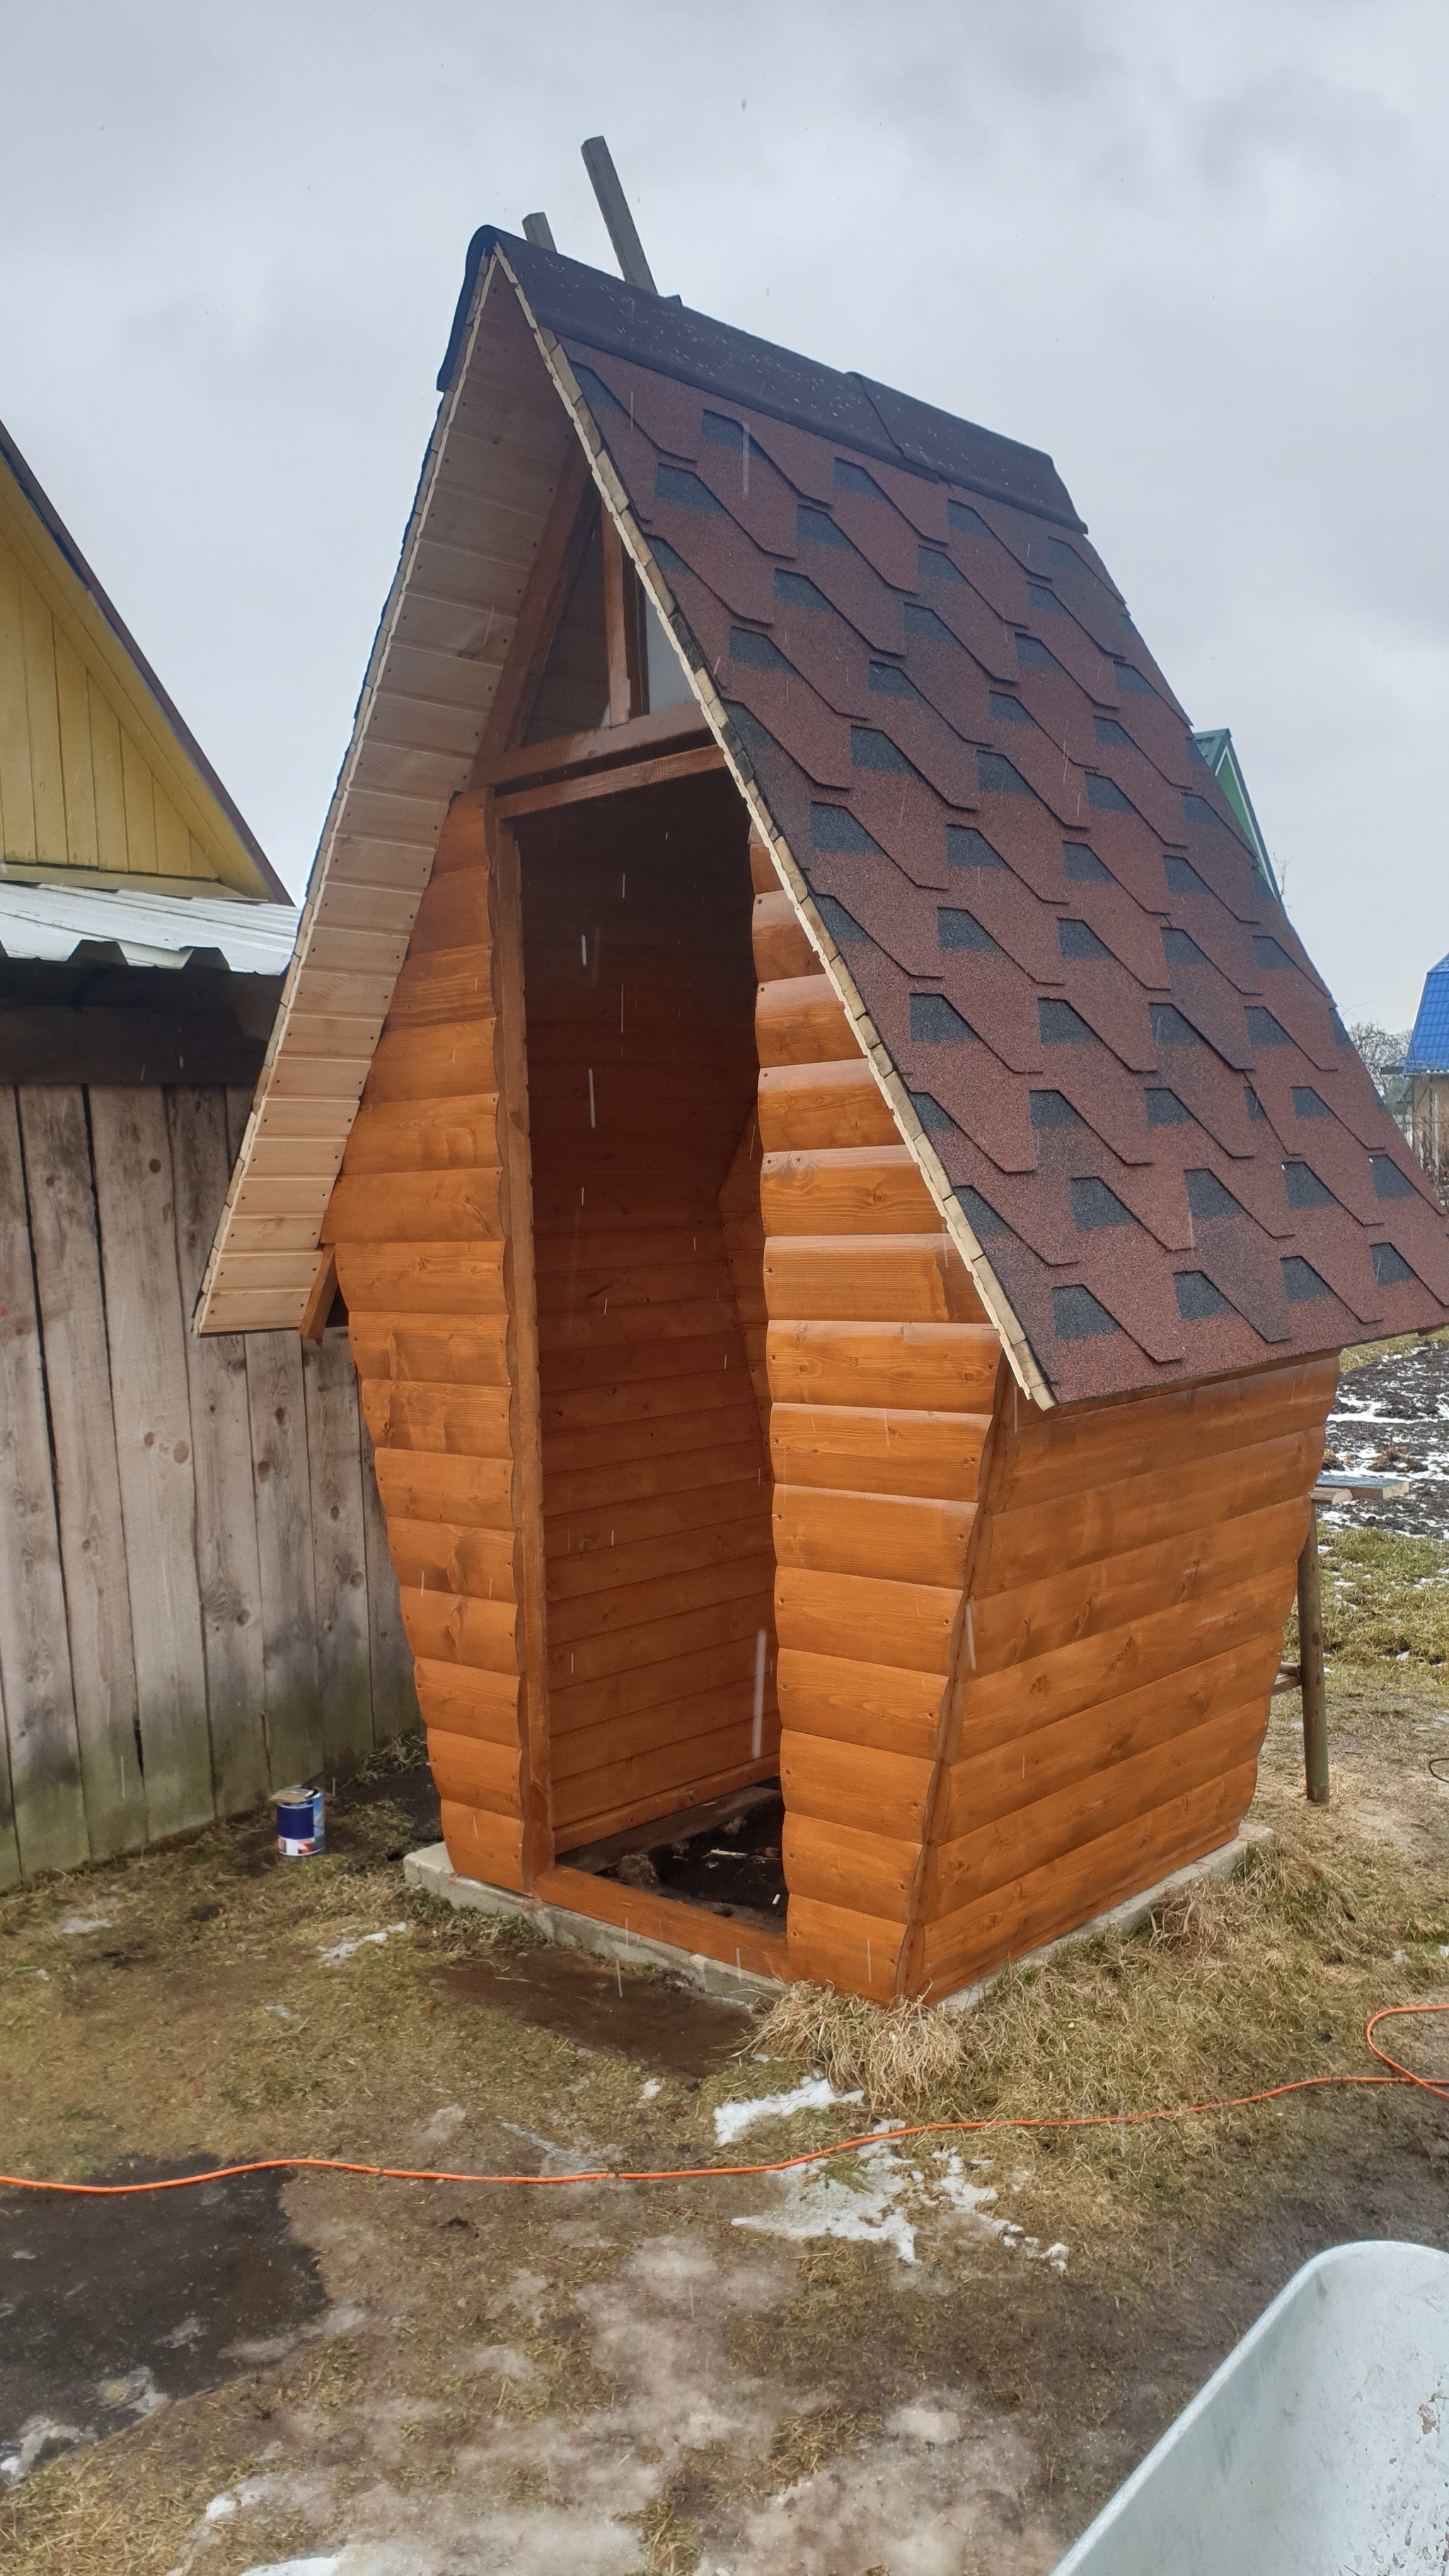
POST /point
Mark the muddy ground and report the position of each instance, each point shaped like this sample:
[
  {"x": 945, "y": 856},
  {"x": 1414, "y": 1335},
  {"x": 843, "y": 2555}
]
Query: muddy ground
[
  {"x": 1391, "y": 1419},
  {"x": 932, "y": 2361}
]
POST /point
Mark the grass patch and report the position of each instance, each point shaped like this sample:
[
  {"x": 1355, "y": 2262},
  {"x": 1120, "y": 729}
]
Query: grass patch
[
  {"x": 1385, "y": 1603},
  {"x": 1360, "y": 1353},
  {"x": 1229, "y": 1989}
]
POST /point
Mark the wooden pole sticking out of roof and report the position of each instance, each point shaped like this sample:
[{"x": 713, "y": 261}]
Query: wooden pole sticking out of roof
[
  {"x": 613, "y": 206},
  {"x": 538, "y": 230}
]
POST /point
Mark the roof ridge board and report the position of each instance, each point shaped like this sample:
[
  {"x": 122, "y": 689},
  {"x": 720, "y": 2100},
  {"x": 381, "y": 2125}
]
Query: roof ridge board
[
  {"x": 601, "y": 312},
  {"x": 59, "y": 534}
]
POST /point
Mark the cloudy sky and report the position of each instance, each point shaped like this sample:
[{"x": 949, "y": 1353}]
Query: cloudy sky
[{"x": 1195, "y": 248}]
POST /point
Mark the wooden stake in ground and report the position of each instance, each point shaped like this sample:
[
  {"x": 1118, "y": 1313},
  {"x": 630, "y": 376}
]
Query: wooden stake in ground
[{"x": 1310, "y": 1659}]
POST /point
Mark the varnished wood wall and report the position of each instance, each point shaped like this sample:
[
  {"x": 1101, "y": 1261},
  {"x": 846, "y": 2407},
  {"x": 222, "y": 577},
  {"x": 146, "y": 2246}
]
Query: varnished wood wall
[
  {"x": 882, "y": 1370},
  {"x": 196, "y": 1603},
  {"x": 1131, "y": 1568}
]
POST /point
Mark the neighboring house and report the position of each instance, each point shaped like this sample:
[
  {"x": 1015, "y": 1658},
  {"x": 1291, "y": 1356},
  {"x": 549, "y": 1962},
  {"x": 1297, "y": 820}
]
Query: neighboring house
[
  {"x": 1426, "y": 1072},
  {"x": 195, "y": 1600},
  {"x": 847, "y": 1190},
  {"x": 1220, "y": 755}
]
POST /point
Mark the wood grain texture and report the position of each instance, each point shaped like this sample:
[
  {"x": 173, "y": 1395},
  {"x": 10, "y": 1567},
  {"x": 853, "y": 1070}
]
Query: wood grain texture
[
  {"x": 97, "y": 1603},
  {"x": 151, "y": 1395},
  {"x": 44, "y": 1755},
  {"x": 1129, "y": 1570}
]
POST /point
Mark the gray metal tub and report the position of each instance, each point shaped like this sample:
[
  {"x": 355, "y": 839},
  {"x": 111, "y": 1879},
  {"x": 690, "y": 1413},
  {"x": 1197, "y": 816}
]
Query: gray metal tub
[{"x": 1320, "y": 2448}]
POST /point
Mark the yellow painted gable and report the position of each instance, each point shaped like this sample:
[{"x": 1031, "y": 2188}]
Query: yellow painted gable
[{"x": 97, "y": 771}]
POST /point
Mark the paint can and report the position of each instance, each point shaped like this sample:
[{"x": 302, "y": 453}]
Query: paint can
[{"x": 300, "y": 1831}]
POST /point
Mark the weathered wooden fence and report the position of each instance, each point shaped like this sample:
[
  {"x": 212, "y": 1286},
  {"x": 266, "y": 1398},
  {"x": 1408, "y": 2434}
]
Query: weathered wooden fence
[{"x": 196, "y": 1600}]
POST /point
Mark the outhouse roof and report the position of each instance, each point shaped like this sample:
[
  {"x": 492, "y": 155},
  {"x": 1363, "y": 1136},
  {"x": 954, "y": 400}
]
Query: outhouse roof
[{"x": 1120, "y": 1073}]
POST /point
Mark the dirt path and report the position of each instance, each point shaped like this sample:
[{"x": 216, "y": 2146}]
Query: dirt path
[{"x": 911, "y": 2364}]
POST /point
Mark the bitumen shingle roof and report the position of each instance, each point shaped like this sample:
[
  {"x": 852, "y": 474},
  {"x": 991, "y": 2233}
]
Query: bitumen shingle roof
[
  {"x": 1429, "y": 1046},
  {"x": 1147, "y": 1107}
]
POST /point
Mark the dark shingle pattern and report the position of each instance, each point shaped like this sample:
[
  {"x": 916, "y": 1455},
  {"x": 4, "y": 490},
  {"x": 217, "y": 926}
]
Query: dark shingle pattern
[{"x": 1110, "y": 1030}]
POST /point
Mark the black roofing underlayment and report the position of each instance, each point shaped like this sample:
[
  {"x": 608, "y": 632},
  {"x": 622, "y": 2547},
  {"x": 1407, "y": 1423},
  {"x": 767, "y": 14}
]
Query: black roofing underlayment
[{"x": 1138, "y": 1086}]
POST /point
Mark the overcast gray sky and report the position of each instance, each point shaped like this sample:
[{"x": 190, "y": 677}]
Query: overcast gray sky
[{"x": 1196, "y": 248}]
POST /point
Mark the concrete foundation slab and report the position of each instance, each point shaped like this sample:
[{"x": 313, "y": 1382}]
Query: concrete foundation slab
[{"x": 433, "y": 1874}]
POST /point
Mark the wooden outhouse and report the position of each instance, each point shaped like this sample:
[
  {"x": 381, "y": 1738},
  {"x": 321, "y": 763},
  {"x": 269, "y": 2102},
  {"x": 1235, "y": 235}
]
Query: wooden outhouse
[
  {"x": 846, "y": 1189},
  {"x": 195, "y": 1594}
]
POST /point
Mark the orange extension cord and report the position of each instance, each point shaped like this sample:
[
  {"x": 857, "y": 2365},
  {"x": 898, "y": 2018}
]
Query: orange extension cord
[{"x": 785, "y": 2164}]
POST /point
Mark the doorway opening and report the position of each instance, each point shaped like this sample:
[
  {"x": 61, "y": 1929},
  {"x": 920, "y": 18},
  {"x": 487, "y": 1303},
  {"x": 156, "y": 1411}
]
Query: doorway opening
[{"x": 639, "y": 1003}]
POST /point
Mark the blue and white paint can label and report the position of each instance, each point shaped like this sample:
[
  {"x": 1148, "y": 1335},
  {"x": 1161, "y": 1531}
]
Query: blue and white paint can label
[{"x": 300, "y": 1830}]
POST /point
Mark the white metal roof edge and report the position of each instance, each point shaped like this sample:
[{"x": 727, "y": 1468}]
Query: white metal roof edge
[{"x": 47, "y": 922}]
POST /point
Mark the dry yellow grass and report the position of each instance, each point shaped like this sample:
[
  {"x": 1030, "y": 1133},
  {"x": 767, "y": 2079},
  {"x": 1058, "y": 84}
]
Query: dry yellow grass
[{"x": 1231, "y": 1988}]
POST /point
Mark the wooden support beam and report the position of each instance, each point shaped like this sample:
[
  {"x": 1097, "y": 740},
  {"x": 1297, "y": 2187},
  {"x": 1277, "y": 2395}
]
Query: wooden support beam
[
  {"x": 613, "y": 782},
  {"x": 607, "y": 746},
  {"x": 313, "y": 1322},
  {"x": 1310, "y": 1649},
  {"x": 623, "y": 635}
]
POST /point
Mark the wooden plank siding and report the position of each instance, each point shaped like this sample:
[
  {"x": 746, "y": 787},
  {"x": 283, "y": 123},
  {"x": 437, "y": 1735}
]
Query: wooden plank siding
[
  {"x": 150, "y": 1646},
  {"x": 882, "y": 1371},
  {"x": 1131, "y": 1567},
  {"x": 419, "y": 1226}
]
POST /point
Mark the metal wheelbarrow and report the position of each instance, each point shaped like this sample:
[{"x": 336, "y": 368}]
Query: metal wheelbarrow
[{"x": 1319, "y": 2448}]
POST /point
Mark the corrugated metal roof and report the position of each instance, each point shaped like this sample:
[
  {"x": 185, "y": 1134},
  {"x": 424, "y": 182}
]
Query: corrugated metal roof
[
  {"x": 52, "y": 922},
  {"x": 1429, "y": 1045}
]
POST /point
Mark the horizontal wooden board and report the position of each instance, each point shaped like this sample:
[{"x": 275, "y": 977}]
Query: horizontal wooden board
[
  {"x": 603, "y": 1699},
  {"x": 421, "y": 1279},
  {"x": 454, "y": 1630},
  {"x": 416, "y": 1207},
  {"x": 576, "y": 1573},
  {"x": 659, "y": 1319},
  {"x": 424, "y": 1136},
  {"x": 859, "y": 1785},
  {"x": 691, "y": 1632},
  {"x": 1082, "y": 1809},
  {"x": 909, "y": 1624},
  {"x": 1077, "y": 1449},
  {"x": 999, "y": 1705},
  {"x": 1171, "y": 1501},
  {"x": 656, "y": 1476},
  {"x": 445, "y": 1556},
  {"x": 637, "y": 1403},
  {"x": 849, "y": 1189},
  {"x": 832, "y": 1945},
  {"x": 656, "y": 1918},
  {"x": 453, "y": 915},
  {"x": 940, "y": 1368},
  {"x": 978, "y": 1785},
  {"x": 1032, "y": 1619},
  {"x": 903, "y": 1540},
  {"x": 884, "y": 1278},
  {"x": 885, "y": 1450},
  {"x": 1016, "y": 1919},
  {"x": 846, "y": 1866},
  {"x": 634, "y": 1355},
  {"x": 463, "y": 1421},
  {"x": 800, "y": 1021},
  {"x": 585, "y": 1619},
  {"x": 466, "y": 1699},
  {"x": 473, "y": 1773},
  {"x": 782, "y": 944},
  {"x": 885, "y": 1706},
  {"x": 484, "y": 1847},
  {"x": 626, "y": 1440},
  {"x": 702, "y": 1713},
  {"x": 836, "y": 1103},
  {"x": 419, "y": 1485},
  {"x": 443, "y": 985},
  {"x": 433, "y": 1063},
  {"x": 673, "y": 1771},
  {"x": 432, "y": 1350}
]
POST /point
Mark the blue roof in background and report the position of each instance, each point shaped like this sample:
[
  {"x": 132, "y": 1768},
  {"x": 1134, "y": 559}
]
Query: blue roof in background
[{"x": 1429, "y": 1045}]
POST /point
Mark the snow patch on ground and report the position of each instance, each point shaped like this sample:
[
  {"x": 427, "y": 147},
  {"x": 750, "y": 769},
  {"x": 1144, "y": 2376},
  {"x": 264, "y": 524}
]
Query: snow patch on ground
[
  {"x": 816, "y": 2094},
  {"x": 874, "y": 2210},
  {"x": 363, "y": 1941}
]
